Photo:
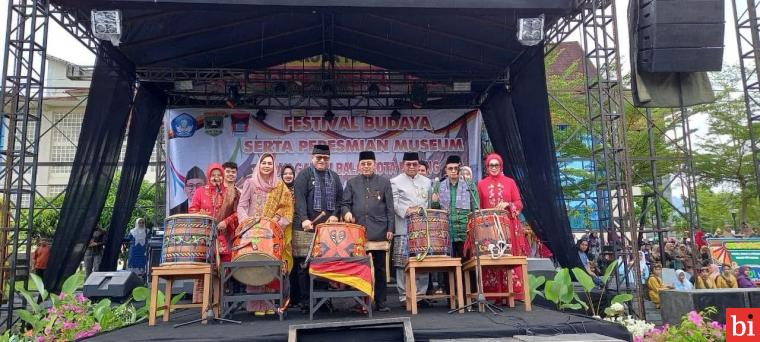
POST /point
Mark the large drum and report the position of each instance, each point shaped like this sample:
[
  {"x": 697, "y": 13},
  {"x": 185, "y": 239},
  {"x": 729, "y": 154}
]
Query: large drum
[
  {"x": 257, "y": 241},
  {"x": 488, "y": 227},
  {"x": 188, "y": 238},
  {"x": 428, "y": 232},
  {"x": 301, "y": 243},
  {"x": 341, "y": 240}
]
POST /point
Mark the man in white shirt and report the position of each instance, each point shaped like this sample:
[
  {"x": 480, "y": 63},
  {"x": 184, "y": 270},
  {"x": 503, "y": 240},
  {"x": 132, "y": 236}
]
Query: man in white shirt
[{"x": 410, "y": 192}]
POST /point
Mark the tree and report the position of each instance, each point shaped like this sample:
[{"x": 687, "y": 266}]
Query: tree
[{"x": 724, "y": 161}]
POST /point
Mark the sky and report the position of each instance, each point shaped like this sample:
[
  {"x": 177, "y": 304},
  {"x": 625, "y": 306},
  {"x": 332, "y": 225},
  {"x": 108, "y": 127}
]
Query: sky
[{"x": 62, "y": 45}]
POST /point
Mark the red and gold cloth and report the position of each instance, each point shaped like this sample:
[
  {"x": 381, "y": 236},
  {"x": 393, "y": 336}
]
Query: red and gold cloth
[{"x": 354, "y": 271}]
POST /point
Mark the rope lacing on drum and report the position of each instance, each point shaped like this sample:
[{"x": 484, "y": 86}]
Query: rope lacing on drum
[
  {"x": 422, "y": 256},
  {"x": 499, "y": 249}
]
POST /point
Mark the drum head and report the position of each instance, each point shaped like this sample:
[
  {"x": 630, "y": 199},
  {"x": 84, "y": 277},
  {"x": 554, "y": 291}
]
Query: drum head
[{"x": 254, "y": 276}]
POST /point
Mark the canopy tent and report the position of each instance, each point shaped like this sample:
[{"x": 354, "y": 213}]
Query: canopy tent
[{"x": 419, "y": 38}]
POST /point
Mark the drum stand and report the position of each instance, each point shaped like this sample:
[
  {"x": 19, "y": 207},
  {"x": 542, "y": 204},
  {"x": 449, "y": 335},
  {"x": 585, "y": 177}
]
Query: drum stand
[{"x": 481, "y": 300}]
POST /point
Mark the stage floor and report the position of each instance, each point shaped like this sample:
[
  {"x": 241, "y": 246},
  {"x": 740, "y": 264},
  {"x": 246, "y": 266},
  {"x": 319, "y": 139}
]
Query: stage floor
[{"x": 431, "y": 323}]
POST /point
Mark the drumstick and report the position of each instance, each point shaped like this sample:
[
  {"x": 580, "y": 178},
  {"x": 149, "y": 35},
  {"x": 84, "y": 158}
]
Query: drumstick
[{"x": 313, "y": 239}]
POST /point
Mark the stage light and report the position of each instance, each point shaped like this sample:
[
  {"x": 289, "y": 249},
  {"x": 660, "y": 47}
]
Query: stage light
[
  {"x": 373, "y": 90},
  {"x": 395, "y": 115},
  {"x": 280, "y": 88},
  {"x": 328, "y": 90},
  {"x": 106, "y": 25},
  {"x": 261, "y": 114},
  {"x": 329, "y": 115},
  {"x": 233, "y": 96},
  {"x": 418, "y": 96},
  {"x": 530, "y": 30}
]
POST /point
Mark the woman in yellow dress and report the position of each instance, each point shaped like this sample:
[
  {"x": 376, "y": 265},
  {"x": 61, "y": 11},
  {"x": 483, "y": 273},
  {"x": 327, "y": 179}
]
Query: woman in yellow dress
[
  {"x": 263, "y": 196},
  {"x": 704, "y": 281},
  {"x": 655, "y": 285},
  {"x": 727, "y": 279}
]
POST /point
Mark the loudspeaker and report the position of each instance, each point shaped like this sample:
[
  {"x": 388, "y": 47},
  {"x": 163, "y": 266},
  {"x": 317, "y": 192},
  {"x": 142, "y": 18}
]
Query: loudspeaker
[
  {"x": 680, "y": 35},
  {"x": 675, "y": 304},
  {"x": 541, "y": 267},
  {"x": 117, "y": 284},
  {"x": 385, "y": 329}
]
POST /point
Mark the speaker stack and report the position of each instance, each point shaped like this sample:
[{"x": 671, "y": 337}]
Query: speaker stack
[
  {"x": 680, "y": 35},
  {"x": 676, "y": 304}
]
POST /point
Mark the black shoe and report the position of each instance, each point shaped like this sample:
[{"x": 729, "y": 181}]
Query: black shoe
[{"x": 382, "y": 308}]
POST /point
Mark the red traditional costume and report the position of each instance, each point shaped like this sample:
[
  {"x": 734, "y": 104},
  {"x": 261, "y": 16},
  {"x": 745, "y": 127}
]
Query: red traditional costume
[
  {"x": 219, "y": 203},
  {"x": 492, "y": 190}
]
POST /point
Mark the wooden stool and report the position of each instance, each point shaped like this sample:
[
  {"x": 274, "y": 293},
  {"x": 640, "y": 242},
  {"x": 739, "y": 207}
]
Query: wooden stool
[
  {"x": 434, "y": 263},
  {"x": 176, "y": 272},
  {"x": 509, "y": 263}
]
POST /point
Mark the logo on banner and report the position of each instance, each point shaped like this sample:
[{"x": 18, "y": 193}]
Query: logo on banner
[
  {"x": 213, "y": 123},
  {"x": 184, "y": 126},
  {"x": 240, "y": 122},
  {"x": 742, "y": 324}
]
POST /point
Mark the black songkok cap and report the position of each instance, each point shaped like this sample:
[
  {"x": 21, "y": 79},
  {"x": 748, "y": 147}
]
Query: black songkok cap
[
  {"x": 321, "y": 149},
  {"x": 366, "y": 155},
  {"x": 453, "y": 159},
  {"x": 411, "y": 156}
]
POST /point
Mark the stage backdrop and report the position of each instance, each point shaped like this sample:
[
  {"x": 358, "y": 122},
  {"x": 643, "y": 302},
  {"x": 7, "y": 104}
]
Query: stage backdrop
[{"x": 197, "y": 137}]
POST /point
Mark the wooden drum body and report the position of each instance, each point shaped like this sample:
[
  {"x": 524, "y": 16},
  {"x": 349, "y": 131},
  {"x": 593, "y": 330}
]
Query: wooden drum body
[
  {"x": 257, "y": 241},
  {"x": 301, "y": 243},
  {"x": 488, "y": 227},
  {"x": 188, "y": 238},
  {"x": 341, "y": 240},
  {"x": 431, "y": 225}
]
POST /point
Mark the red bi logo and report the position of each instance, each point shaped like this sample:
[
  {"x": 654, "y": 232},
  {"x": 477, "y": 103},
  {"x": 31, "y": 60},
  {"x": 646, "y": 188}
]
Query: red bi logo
[{"x": 742, "y": 324}]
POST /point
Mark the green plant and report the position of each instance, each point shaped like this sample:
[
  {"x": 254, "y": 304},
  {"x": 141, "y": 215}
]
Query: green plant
[
  {"x": 695, "y": 326},
  {"x": 588, "y": 284},
  {"x": 534, "y": 283},
  {"x": 73, "y": 316},
  {"x": 560, "y": 292}
]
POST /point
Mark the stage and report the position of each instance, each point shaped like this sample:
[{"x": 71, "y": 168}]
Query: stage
[{"x": 431, "y": 323}]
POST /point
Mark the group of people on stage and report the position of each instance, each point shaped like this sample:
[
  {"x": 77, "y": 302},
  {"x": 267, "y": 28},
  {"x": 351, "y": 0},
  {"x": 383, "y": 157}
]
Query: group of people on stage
[{"x": 316, "y": 195}]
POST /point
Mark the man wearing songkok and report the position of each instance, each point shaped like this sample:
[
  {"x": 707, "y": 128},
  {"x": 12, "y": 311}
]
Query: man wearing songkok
[
  {"x": 410, "y": 193},
  {"x": 368, "y": 201},
  {"x": 318, "y": 196},
  {"x": 456, "y": 196}
]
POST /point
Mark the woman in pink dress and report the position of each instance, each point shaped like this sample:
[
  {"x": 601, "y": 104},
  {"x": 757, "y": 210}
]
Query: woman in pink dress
[
  {"x": 265, "y": 197},
  {"x": 499, "y": 191}
]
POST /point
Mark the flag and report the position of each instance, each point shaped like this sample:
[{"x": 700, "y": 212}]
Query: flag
[{"x": 354, "y": 271}]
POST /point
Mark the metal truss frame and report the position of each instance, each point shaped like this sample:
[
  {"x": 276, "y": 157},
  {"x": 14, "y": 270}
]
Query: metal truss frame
[
  {"x": 21, "y": 98},
  {"x": 748, "y": 41}
]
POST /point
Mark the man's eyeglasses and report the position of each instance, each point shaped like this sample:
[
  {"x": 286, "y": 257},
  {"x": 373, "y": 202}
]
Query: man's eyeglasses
[
  {"x": 325, "y": 158},
  {"x": 452, "y": 168},
  {"x": 412, "y": 164}
]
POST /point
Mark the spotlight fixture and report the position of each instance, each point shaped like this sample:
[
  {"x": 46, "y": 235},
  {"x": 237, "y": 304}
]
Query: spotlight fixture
[
  {"x": 395, "y": 115},
  {"x": 106, "y": 25},
  {"x": 329, "y": 115},
  {"x": 373, "y": 90},
  {"x": 280, "y": 88},
  {"x": 530, "y": 30},
  {"x": 233, "y": 96},
  {"x": 328, "y": 90},
  {"x": 418, "y": 95},
  {"x": 261, "y": 114}
]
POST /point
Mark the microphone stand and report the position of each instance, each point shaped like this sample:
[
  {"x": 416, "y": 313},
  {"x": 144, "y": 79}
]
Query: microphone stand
[
  {"x": 481, "y": 299},
  {"x": 210, "y": 316}
]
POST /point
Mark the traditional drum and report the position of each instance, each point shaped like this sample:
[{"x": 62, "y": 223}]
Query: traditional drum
[
  {"x": 188, "y": 238},
  {"x": 339, "y": 240},
  {"x": 257, "y": 241},
  {"x": 488, "y": 227},
  {"x": 428, "y": 232},
  {"x": 301, "y": 243}
]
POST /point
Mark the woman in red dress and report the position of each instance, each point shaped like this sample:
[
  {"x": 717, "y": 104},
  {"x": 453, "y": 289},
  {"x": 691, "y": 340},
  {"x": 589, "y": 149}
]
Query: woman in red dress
[{"x": 499, "y": 191}]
